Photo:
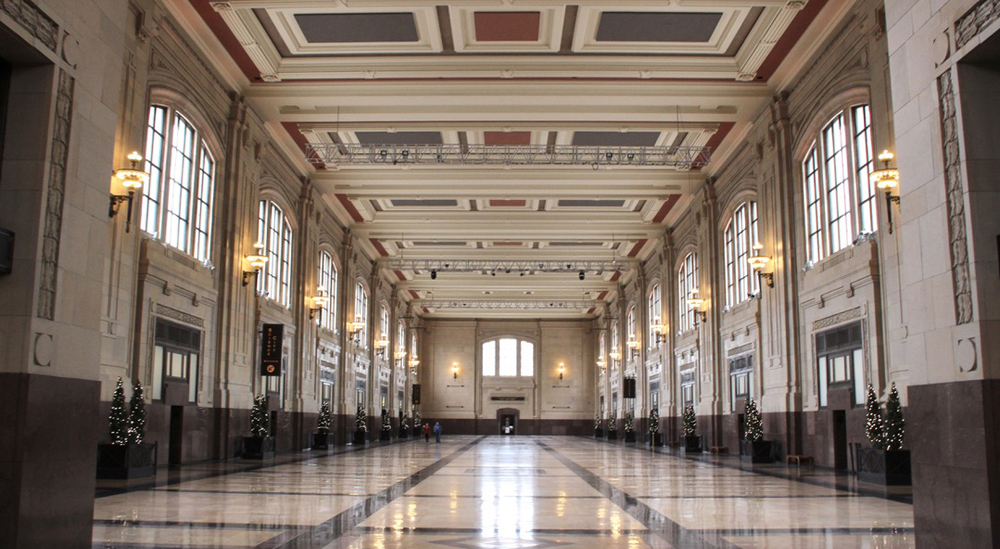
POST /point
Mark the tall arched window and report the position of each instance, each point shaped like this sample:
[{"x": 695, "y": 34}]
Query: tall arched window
[
  {"x": 401, "y": 339},
  {"x": 602, "y": 348},
  {"x": 630, "y": 324},
  {"x": 655, "y": 312},
  {"x": 508, "y": 357},
  {"x": 177, "y": 201},
  {"x": 361, "y": 312},
  {"x": 839, "y": 197},
  {"x": 740, "y": 237},
  {"x": 687, "y": 281},
  {"x": 383, "y": 324},
  {"x": 328, "y": 282},
  {"x": 615, "y": 344},
  {"x": 273, "y": 230}
]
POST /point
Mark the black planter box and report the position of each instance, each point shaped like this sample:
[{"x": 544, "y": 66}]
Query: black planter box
[
  {"x": 656, "y": 439},
  {"x": 598, "y": 433},
  {"x": 885, "y": 467},
  {"x": 125, "y": 462},
  {"x": 360, "y": 437},
  {"x": 322, "y": 441},
  {"x": 760, "y": 451},
  {"x": 385, "y": 435},
  {"x": 612, "y": 435},
  {"x": 691, "y": 444},
  {"x": 258, "y": 448},
  {"x": 629, "y": 436}
]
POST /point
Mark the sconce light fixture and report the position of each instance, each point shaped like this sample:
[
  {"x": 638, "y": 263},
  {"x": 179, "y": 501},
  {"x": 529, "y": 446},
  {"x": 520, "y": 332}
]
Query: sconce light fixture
[
  {"x": 454, "y": 370},
  {"x": 601, "y": 364},
  {"x": 132, "y": 179},
  {"x": 696, "y": 303},
  {"x": 615, "y": 355},
  {"x": 256, "y": 260},
  {"x": 886, "y": 179},
  {"x": 659, "y": 330},
  {"x": 319, "y": 301},
  {"x": 381, "y": 344},
  {"x": 562, "y": 370},
  {"x": 354, "y": 328},
  {"x": 758, "y": 262},
  {"x": 633, "y": 345},
  {"x": 399, "y": 355}
]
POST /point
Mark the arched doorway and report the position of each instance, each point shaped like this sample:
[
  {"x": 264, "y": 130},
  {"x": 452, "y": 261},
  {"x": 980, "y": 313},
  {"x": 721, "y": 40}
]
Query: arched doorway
[{"x": 507, "y": 421}]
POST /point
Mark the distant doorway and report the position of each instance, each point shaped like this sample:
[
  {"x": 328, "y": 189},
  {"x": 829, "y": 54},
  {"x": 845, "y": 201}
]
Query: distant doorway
[
  {"x": 176, "y": 435},
  {"x": 507, "y": 421},
  {"x": 839, "y": 439}
]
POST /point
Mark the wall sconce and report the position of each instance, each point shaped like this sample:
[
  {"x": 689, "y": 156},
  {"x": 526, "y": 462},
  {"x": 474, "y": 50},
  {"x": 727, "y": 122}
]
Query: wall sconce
[
  {"x": 659, "y": 330},
  {"x": 257, "y": 260},
  {"x": 354, "y": 328},
  {"x": 561, "y": 370},
  {"x": 132, "y": 179},
  {"x": 381, "y": 344},
  {"x": 696, "y": 303},
  {"x": 414, "y": 362},
  {"x": 633, "y": 345},
  {"x": 320, "y": 302},
  {"x": 454, "y": 370},
  {"x": 399, "y": 355},
  {"x": 886, "y": 179},
  {"x": 601, "y": 364},
  {"x": 758, "y": 262},
  {"x": 615, "y": 355}
]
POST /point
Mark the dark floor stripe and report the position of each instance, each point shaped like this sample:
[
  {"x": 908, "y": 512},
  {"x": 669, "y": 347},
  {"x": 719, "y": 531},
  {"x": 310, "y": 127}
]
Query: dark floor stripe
[
  {"x": 459, "y": 531},
  {"x": 670, "y": 531},
  {"x": 196, "y": 525},
  {"x": 326, "y": 533},
  {"x": 762, "y": 533}
]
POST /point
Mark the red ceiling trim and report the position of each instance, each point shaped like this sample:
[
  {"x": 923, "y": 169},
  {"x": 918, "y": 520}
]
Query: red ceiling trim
[
  {"x": 509, "y": 26},
  {"x": 400, "y": 276},
  {"x": 591, "y": 310},
  {"x": 602, "y": 295},
  {"x": 666, "y": 207},
  {"x": 293, "y": 131},
  {"x": 414, "y": 294},
  {"x": 788, "y": 40},
  {"x": 638, "y": 246},
  {"x": 229, "y": 41},
  {"x": 378, "y": 247},
  {"x": 616, "y": 276},
  {"x": 720, "y": 134},
  {"x": 351, "y": 210}
]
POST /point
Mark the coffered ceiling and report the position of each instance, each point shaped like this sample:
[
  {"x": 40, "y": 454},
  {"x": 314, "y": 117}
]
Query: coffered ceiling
[{"x": 508, "y": 75}]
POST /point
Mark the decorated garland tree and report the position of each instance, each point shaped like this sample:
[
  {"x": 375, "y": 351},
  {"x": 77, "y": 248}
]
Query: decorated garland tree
[
  {"x": 612, "y": 422},
  {"x": 118, "y": 419},
  {"x": 136, "y": 416},
  {"x": 690, "y": 421},
  {"x": 628, "y": 422},
  {"x": 259, "y": 419},
  {"x": 386, "y": 422},
  {"x": 417, "y": 421},
  {"x": 324, "y": 421},
  {"x": 894, "y": 422},
  {"x": 654, "y": 421},
  {"x": 361, "y": 420},
  {"x": 754, "y": 426},
  {"x": 597, "y": 421},
  {"x": 874, "y": 425}
]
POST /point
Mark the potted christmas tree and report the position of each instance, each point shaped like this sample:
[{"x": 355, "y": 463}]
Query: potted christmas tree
[
  {"x": 754, "y": 448},
  {"x": 404, "y": 426},
  {"x": 691, "y": 441},
  {"x": 655, "y": 438},
  {"x": 128, "y": 456},
  {"x": 885, "y": 462},
  {"x": 360, "y": 425},
  {"x": 259, "y": 445},
  {"x": 629, "y": 433},
  {"x": 598, "y": 431},
  {"x": 386, "y": 433},
  {"x": 322, "y": 439},
  {"x": 417, "y": 423},
  {"x": 612, "y": 427}
]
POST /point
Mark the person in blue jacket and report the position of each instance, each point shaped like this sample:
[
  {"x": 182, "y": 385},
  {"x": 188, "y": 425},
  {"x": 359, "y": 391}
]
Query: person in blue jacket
[{"x": 437, "y": 432}]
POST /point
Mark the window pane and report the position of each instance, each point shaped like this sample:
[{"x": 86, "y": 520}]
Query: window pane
[
  {"x": 203, "y": 221},
  {"x": 742, "y": 257},
  {"x": 262, "y": 238},
  {"x": 193, "y": 380},
  {"x": 155, "y": 139},
  {"x": 286, "y": 265},
  {"x": 859, "y": 377},
  {"x": 867, "y": 214},
  {"x": 837, "y": 187},
  {"x": 527, "y": 359},
  {"x": 508, "y": 357},
  {"x": 158, "y": 372},
  {"x": 821, "y": 368},
  {"x": 814, "y": 223},
  {"x": 180, "y": 184}
]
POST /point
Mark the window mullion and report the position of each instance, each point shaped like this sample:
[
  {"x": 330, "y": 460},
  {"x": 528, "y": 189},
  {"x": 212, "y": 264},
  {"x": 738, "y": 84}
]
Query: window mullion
[{"x": 852, "y": 176}]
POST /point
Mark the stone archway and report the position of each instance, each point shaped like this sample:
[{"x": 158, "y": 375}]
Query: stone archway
[{"x": 507, "y": 420}]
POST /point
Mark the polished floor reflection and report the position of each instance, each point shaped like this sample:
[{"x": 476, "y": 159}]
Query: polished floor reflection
[{"x": 500, "y": 492}]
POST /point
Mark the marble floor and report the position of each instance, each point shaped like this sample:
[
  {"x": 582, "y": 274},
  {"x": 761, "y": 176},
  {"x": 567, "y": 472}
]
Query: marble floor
[{"x": 500, "y": 492}]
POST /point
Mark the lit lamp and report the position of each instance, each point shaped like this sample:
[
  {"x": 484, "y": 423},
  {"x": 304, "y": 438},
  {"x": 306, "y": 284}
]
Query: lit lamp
[
  {"x": 758, "y": 262},
  {"x": 886, "y": 179},
  {"x": 319, "y": 302},
  {"x": 381, "y": 344},
  {"x": 354, "y": 328},
  {"x": 414, "y": 362},
  {"x": 399, "y": 355},
  {"x": 696, "y": 303},
  {"x": 659, "y": 330},
  {"x": 256, "y": 260},
  {"x": 561, "y": 370},
  {"x": 633, "y": 345},
  {"x": 132, "y": 179},
  {"x": 615, "y": 355},
  {"x": 601, "y": 364},
  {"x": 454, "y": 370}
]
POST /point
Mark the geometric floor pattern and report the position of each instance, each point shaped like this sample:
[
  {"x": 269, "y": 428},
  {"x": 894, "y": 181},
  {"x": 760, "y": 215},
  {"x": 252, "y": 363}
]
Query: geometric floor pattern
[{"x": 496, "y": 492}]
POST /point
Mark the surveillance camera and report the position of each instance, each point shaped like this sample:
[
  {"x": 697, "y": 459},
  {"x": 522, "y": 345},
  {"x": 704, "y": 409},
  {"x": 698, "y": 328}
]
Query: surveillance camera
[
  {"x": 583, "y": 275},
  {"x": 434, "y": 275}
]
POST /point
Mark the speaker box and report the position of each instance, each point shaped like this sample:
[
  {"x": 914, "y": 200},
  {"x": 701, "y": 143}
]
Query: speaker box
[
  {"x": 416, "y": 393},
  {"x": 629, "y": 388}
]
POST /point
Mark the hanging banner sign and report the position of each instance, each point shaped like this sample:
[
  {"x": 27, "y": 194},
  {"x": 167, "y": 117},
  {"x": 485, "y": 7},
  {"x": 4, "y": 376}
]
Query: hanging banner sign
[{"x": 272, "y": 339}]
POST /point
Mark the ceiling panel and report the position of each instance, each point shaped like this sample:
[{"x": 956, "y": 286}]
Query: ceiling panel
[
  {"x": 507, "y": 26},
  {"x": 616, "y": 26},
  {"x": 358, "y": 27}
]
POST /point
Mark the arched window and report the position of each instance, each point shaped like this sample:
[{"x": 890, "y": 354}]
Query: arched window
[
  {"x": 177, "y": 201},
  {"x": 740, "y": 237},
  {"x": 361, "y": 312},
  {"x": 508, "y": 357},
  {"x": 655, "y": 305},
  {"x": 602, "y": 349},
  {"x": 615, "y": 344},
  {"x": 839, "y": 197},
  {"x": 273, "y": 230},
  {"x": 687, "y": 282},
  {"x": 383, "y": 324},
  {"x": 328, "y": 282},
  {"x": 630, "y": 326},
  {"x": 413, "y": 348}
]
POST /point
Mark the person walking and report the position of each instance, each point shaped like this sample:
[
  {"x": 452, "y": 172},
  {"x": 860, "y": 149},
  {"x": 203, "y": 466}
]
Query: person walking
[
  {"x": 427, "y": 432},
  {"x": 437, "y": 432}
]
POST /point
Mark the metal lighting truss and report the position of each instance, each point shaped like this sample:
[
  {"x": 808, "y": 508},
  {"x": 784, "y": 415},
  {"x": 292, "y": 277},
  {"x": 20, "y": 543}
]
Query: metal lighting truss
[
  {"x": 681, "y": 158},
  {"x": 488, "y": 266},
  {"x": 505, "y": 305}
]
